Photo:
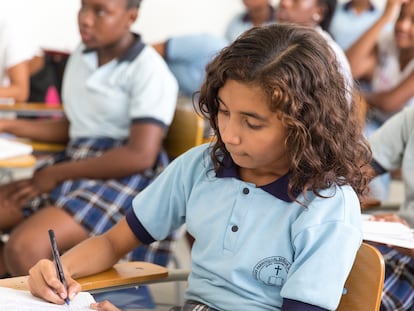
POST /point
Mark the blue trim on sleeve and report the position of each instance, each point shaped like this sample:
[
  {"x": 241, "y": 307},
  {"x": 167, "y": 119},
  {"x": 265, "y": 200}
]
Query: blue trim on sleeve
[
  {"x": 377, "y": 167},
  {"x": 149, "y": 120},
  {"x": 137, "y": 228},
  {"x": 293, "y": 305}
]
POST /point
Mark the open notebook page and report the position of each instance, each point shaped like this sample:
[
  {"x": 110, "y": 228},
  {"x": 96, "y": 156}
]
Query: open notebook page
[{"x": 20, "y": 300}]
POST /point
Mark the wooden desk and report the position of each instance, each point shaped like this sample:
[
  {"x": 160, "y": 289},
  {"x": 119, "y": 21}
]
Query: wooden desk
[
  {"x": 33, "y": 109},
  {"x": 121, "y": 275}
]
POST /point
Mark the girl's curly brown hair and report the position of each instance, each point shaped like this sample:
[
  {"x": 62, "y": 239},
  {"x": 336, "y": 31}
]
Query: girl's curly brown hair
[{"x": 298, "y": 71}]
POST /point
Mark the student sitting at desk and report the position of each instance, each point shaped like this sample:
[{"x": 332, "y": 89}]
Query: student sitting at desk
[
  {"x": 270, "y": 202},
  {"x": 119, "y": 98},
  {"x": 393, "y": 148}
]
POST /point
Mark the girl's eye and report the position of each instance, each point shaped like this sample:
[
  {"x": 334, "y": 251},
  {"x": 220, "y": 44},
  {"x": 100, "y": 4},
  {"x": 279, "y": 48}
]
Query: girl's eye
[
  {"x": 100, "y": 12},
  {"x": 222, "y": 110},
  {"x": 253, "y": 126}
]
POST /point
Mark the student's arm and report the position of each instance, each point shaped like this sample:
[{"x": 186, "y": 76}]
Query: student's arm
[
  {"x": 19, "y": 76},
  {"x": 139, "y": 154},
  {"x": 362, "y": 55},
  {"x": 52, "y": 131},
  {"x": 394, "y": 99},
  {"x": 91, "y": 256}
]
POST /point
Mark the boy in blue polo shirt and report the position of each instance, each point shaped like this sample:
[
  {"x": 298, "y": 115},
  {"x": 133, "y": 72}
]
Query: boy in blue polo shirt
[{"x": 270, "y": 202}]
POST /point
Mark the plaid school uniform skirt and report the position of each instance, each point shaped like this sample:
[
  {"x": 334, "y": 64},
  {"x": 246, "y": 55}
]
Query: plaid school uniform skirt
[
  {"x": 99, "y": 204},
  {"x": 398, "y": 293}
]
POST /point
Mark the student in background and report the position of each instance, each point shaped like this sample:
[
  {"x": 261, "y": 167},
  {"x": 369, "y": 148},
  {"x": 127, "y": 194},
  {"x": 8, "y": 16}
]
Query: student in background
[
  {"x": 285, "y": 172},
  {"x": 15, "y": 53},
  {"x": 119, "y": 98},
  {"x": 393, "y": 148},
  {"x": 388, "y": 62},
  {"x": 351, "y": 19},
  {"x": 318, "y": 15},
  {"x": 257, "y": 13}
]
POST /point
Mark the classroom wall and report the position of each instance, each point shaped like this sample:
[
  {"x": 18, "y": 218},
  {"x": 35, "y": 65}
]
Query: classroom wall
[{"x": 52, "y": 23}]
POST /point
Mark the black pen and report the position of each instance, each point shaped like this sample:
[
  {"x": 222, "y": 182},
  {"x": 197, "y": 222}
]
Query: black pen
[{"x": 56, "y": 257}]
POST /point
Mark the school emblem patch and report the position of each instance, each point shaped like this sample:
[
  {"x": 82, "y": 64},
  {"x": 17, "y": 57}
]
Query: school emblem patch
[{"x": 272, "y": 270}]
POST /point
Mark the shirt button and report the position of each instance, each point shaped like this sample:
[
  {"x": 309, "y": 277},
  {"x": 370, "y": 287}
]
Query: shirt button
[
  {"x": 234, "y": 228},
  {"x": 246, "y": 190}
]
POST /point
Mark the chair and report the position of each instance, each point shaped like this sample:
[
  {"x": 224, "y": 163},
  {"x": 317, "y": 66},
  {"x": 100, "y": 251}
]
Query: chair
[
  {"x": 185, "y": 132},
  {"x": 363, "y": 288}
]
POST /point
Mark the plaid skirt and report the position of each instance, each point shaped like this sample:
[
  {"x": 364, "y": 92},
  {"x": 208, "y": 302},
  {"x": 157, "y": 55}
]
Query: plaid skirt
[
  {"x": 191, "y": 305},
  {"x": 398, "y": 293},
  {"x": 99, "y": 204}
]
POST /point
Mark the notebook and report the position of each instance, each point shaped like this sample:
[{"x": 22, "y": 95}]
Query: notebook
[
  {"x": 11, "y": 148},
  {"x": 21, "y": 300},
  {"x": 391, "y": 233}
]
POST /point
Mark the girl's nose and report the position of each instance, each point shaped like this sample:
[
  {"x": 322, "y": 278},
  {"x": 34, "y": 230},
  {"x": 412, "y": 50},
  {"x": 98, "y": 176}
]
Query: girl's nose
[{"x": 230, "y": 133}]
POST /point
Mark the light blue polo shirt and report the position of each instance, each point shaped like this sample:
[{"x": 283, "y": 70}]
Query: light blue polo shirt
[
  {"x": 103, "y": 101},
  {"x": 347, "y": 26},
  {"x": 253, "y": 246},
  {"x": 393, "y": 148}
]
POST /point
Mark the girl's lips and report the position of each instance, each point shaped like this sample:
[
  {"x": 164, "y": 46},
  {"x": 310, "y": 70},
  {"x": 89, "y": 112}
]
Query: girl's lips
[{"x": 85, "y": 36}]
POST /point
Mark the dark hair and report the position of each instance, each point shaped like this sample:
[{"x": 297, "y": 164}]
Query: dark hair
[
  {"x": 133, "y": 3},
  {"x": 330, "y": 6},
  {"x": 298, "y": 71}
]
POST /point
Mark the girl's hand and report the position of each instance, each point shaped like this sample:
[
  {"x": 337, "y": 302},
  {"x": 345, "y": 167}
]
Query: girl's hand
[
  {"x": 391, "y": 217},
  {"x": 392, "y": 9},
  {"x": 104, "y": 306},
  {"x": 43, "y": 181},
  {"x": 44, "y": 283}
]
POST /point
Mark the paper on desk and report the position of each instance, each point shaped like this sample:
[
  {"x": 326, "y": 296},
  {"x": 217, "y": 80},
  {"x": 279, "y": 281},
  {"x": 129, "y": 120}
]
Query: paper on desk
[
  {"x": 391, "y": 233},
  {"x": 10, "y": 148},
  {"x": 20, "y": 300}
]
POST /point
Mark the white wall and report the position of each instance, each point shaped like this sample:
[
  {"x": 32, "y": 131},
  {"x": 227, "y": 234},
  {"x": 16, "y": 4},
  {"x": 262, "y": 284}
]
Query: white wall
[{"x": 52, "y": 23}]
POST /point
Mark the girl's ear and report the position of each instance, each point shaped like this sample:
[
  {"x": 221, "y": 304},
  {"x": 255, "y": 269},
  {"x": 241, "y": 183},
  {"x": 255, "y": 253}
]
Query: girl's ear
[
  {"x": 133, "y": 15},
  {"x": 319, "y": 15}
]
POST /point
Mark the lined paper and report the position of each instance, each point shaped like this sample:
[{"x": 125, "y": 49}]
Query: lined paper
[{"x": 20, "y": 300}]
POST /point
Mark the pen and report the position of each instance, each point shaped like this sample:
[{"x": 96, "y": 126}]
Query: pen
[{"x": 56, "y": 257}]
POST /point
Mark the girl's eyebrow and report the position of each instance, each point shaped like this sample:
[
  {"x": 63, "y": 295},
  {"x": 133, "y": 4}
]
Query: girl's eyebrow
[{"x": 251, "y": 114}]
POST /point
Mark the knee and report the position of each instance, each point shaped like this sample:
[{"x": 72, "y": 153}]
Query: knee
[{"x": 21, "y": 252}]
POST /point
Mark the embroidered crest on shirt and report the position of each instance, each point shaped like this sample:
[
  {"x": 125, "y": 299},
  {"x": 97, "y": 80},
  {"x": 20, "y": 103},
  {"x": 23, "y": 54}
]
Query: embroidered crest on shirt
[{"x": 272, "y": 270}]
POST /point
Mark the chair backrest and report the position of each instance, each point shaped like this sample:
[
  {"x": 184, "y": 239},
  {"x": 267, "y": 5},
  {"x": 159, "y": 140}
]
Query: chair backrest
[
  {"x": 185, "y": 132},
  {"x": 363, "y": 288}
]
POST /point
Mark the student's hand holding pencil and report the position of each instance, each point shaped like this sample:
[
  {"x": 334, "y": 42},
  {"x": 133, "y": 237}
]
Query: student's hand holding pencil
[{"x": 44, "y": 283}]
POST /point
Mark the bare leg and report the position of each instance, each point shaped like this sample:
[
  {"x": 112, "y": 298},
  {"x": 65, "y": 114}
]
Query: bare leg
[{"x": 29, "y": 241}]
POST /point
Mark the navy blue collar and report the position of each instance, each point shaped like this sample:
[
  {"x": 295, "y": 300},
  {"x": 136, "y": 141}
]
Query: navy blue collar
[
  {"x": 348, "y": 6},
  {"x": 278, "y": 188},
  {"x": 131, "y": 53}
]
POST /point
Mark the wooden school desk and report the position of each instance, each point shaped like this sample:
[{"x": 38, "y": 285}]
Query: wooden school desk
[
  {"x": 32, "y": 109},
  {"x": 121, "y": 275}
]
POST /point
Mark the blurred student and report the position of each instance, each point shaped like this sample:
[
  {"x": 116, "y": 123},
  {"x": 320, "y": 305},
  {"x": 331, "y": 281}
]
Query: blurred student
[
  {"x": 388, "y": 61},
  {"x": 256, "y": 13},
  {"x": 272, "y": 198},
  {"x": 351, "y": 19},
  {"x": 393, "y": 148},
  {"x": 119, "y": 98},
  {"x": 318, "y": 15}
]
